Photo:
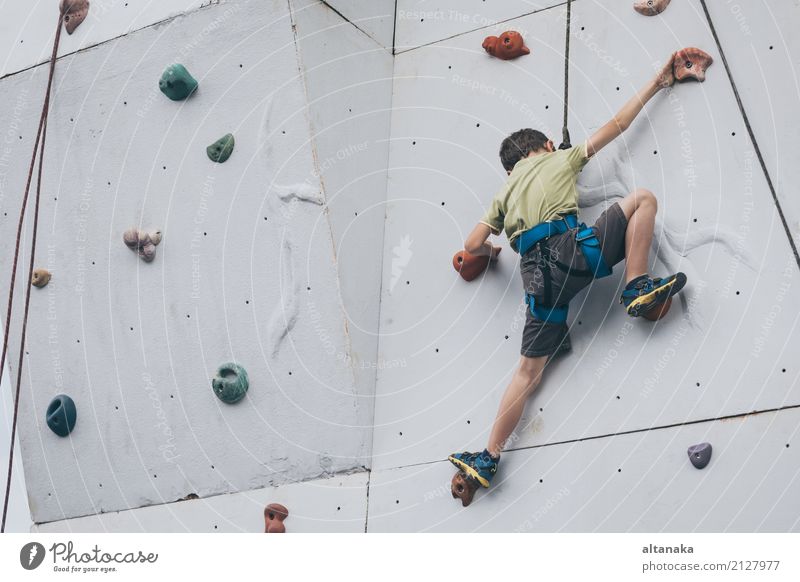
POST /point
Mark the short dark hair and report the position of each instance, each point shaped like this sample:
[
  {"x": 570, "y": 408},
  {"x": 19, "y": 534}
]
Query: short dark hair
[{"x": 519, "y": 144}]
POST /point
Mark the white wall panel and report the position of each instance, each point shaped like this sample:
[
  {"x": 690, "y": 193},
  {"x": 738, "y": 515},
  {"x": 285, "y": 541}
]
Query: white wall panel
[
  {"x": 28, "y": 28},
  {"x": 336, "y": 504},
  {"x": 763, "y": 52},
  {"x": 245, "y": 272},
  {"x": 374, "y": 17},
  {"x": 723, "y": 350},
  {"x": 640, "y": 482},
  {"x": 421, "y": 22}
]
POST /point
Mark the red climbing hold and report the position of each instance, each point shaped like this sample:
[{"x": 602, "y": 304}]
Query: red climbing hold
[
  {"x": 508, "y": 45},
  {"x": 691, "y": 63},
  {"x": 274, "y": 514},
  {"x": 463, "y": 488},
  {"x": 650, "y": 7},
  {"x": 659, "y": 311},
  {"x": 469, "y": 266},
  {"x": 74, "y": 12}
]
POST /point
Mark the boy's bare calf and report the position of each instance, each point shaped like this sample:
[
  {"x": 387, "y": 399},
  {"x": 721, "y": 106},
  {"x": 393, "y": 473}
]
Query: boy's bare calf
[{"x": 527, "y": 377}]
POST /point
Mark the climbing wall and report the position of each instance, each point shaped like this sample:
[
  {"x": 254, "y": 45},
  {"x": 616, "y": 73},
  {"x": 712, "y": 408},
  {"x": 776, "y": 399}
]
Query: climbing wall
[
  {"x": 319, "y": 258},
  {"x": 602, "y": 445}
]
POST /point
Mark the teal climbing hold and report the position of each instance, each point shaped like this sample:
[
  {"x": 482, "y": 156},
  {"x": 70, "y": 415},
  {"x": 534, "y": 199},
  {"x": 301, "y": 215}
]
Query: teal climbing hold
[
  {"x": 176, "y": 82},
  {"x": 221, "y": 150},
  {"x": 61, "y": 415},
  {"x": 231, "y": 383}
]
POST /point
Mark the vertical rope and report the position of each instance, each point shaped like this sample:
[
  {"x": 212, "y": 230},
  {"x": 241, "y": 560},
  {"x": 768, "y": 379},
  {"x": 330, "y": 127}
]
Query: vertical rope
[
  {"x": 565, "y": 141},
  {"x": 38, "y": 146}
]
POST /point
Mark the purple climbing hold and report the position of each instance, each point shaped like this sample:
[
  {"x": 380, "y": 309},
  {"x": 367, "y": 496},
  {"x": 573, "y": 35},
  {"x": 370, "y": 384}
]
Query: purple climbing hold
[{"x": 700, "y": 455}]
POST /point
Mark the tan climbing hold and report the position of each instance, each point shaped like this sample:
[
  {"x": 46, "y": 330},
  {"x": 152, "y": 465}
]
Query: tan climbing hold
[
  {"x": 143, "y": 242},
  {"x": 650, "y": 7},
  {"x": 691, "y": 63},
  {"x": 41, "y": 277},
  {"x": 74, "y": 12}
]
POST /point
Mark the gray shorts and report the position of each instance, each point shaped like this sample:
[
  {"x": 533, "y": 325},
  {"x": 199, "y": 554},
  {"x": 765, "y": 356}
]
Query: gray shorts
[{"x": 540, "y": 338}]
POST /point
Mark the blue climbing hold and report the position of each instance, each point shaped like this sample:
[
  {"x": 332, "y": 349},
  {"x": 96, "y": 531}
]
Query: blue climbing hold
[
  {"x": 231, "y": 383},
  {"x": 61, "y": 415}
]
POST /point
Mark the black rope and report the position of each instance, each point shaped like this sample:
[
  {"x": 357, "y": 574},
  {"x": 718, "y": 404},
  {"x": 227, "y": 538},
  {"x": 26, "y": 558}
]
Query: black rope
[
  {"x": 37, "y": 148},
  {"x": 565, "y": 141}
]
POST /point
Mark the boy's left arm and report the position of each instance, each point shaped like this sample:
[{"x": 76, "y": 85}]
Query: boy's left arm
[{"x": 622, "y": 120}]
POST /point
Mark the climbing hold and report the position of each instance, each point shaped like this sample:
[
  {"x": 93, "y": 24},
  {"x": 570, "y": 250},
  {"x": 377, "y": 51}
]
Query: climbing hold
[
  {"x": 41, "y": 277},
  {"x": 74, "y": 12},
  {"x": 274, "y": 514},
  {"x": 508, "y": 45},
  {"x": 61, "y": 415},
  {"x": 650, "y": 7},
  {"x": 144, "y": 243},
  {"x": 470, "y": 266},
  {"x": 691, "y": 63},
  {"x": 176, "y": 82},
  {"x": 463, "y": 488},
  {"x": 700, "y": 455},
  {"x": 230, "y": 384},
  {"x": 659, "y": 311},
  {"x": 221, "y": 150}
]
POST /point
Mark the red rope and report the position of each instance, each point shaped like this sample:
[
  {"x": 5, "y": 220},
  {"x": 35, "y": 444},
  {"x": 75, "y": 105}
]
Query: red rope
[{"x": 38, "y": 145}]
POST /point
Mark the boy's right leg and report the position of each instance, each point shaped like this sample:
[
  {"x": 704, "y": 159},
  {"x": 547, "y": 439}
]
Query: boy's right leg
[
  {"x": 512, "y": 405},
  {"x": 482, "y": 466}
]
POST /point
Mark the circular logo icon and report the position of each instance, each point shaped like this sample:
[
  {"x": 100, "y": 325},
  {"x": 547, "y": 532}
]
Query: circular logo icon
[{"x": 31, "y": 555}]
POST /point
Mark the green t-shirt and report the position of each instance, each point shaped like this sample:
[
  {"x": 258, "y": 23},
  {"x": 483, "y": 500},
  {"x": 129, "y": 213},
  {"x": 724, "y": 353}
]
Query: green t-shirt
[{"x": 540, "y": 188}]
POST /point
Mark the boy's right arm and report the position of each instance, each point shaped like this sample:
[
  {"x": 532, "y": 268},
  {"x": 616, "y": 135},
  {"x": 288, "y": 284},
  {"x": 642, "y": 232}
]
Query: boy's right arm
[{"x": 622, "y": 120}]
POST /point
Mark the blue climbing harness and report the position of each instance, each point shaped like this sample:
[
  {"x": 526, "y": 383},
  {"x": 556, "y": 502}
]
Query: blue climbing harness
[{"x": 590, "y": 247}]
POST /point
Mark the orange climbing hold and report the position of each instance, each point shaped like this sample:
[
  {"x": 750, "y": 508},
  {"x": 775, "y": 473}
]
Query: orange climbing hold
[
  {"x": 274, "y": 514},
  {"x": 507, "y": 46},
  {"x": 470, "y": 266},
  {"x": 691, "y": 63}
]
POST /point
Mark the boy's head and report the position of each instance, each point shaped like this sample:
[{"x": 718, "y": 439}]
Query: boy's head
[{"x": 520, "y": 144}]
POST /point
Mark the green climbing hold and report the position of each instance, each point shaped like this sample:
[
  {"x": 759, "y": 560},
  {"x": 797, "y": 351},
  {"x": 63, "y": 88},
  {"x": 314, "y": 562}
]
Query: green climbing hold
[
  {"x": 221, "y": 150},
  {"x": 61, "y": 415},
  {"x": 176, "y": 82},
  {"x": 230, "y": 384}
]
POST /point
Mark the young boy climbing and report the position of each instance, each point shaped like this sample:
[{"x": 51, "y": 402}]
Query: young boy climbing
[{"x": 559, "y": 256}]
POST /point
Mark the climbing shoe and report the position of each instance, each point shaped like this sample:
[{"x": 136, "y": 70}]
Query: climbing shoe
[
  {"x": 479, "y": 466},
  {"x": 644, "y": 293}
]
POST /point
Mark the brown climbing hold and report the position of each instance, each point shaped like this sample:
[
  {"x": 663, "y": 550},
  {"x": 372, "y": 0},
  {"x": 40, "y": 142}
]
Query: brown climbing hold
[
  {"x": 144, "y": 243},
  {"x": 41, "y": 277},
  {"x": 650, "y": 7},
  {"x": 691, "y": 63},
  {"x": 658, "y": 312},
  {"x": 274, "y": 514},
  {"x": 74, "y": 12},
  {"x": 507, "y": 46},
  {"x": 463, "y": 488},
  {"x": 469, "y": 266}
]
